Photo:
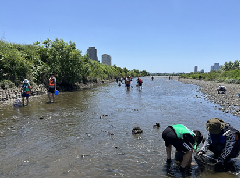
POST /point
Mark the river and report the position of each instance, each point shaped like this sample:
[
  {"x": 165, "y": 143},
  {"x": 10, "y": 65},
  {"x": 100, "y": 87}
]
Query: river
[{"x": 70, "y": 139}]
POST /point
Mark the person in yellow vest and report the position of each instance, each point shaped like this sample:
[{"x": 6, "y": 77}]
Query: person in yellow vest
[
  {"x": 52, "y": 87},
  {"x": 184, "y": 140},
  {"x": 26, "y": 91}
]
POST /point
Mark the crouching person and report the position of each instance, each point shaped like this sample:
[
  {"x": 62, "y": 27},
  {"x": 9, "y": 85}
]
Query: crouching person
[
  {"x": 223, "y": 141},
  {"x": 221, "y": 89},
  {"x": 184, "y": 140}
]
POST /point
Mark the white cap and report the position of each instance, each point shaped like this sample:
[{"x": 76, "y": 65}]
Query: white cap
[{"x": 25, "y": 81}]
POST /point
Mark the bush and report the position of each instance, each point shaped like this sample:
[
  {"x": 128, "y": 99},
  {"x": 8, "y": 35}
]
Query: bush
[{"x": 36, "y": 61}]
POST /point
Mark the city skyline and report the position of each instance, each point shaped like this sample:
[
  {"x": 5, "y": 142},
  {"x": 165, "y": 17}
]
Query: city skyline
[{"x": 216, "y": 67}]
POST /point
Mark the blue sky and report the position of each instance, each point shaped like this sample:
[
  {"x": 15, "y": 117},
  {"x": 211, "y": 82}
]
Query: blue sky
[{"x": 152, "y": 35}]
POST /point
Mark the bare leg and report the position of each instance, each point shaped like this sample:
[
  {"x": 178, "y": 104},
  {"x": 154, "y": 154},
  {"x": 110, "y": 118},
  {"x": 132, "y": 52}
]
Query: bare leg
[
  {"x": 53, "y": 97},
  {"x": 27, "y": 100},
  {"x": 49, "y": 96},
  {"x": 169, "y": 151},
  {"x": 187, "y": 157}
]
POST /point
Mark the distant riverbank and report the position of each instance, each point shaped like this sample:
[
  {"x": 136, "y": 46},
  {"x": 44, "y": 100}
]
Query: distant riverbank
[{"x": 229, "y": 102}]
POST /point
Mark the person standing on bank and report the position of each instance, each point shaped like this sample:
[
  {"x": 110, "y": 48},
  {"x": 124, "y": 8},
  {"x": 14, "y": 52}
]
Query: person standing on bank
[
  {"x": 26, "y": 91},
  {"x": 223, "y": 141},
  {"x": 52, "y": 87},
  {"x": 184, "y": 140}
]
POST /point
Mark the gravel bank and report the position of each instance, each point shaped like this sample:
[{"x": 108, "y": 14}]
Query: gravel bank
[{"x": 228, "y": 102}]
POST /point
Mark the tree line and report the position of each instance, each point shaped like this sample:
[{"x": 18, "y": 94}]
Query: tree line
[
  {"x": 228, "y": 73},
  {"x": 35, "y": 62}
]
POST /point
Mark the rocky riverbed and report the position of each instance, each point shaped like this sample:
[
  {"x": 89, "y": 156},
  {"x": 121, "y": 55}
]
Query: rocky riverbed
[
  {"x": 228, "y": 102},
  {"x": 10, "y": 94}
]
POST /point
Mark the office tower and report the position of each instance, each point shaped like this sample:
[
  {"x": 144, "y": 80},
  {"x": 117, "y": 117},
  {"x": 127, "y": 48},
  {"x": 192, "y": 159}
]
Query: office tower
[
  {"x": 107, "y": 59},
  {"x": 92, "y": 53},
  {"x": 215, "y": 67},
  {"x": 195, "y": 68}
]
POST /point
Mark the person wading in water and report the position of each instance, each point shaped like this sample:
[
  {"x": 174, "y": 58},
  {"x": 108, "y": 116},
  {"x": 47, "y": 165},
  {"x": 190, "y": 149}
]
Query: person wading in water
[{"x": 52, "y": 87}]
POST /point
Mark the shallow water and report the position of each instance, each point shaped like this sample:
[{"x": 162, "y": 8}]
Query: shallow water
[{"x": 73, "y": 141}]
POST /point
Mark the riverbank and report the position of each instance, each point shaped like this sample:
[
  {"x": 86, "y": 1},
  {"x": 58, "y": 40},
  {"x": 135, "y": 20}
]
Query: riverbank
[
  {"x": 228, "y": 102},
  {"x": 10, "y": 94}
]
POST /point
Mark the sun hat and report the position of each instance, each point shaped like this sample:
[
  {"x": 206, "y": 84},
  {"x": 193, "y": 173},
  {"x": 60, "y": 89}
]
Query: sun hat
[
  {"x": 25, "y": 81},
  {"x": 215, "y": 125}
]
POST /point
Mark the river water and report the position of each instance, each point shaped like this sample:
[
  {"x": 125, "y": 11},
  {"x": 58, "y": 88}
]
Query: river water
[{"x": 69, "y": 139}]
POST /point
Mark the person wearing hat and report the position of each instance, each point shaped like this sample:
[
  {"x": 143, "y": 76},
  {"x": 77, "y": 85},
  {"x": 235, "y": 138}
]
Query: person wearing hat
[
  {"x": 51, "y": 87},
  {"x": 184, "y": 140},
  {"x": 222, "y": 140},
  {"x": 26, "y": 90},
  {"x": 221, "y": 89}
]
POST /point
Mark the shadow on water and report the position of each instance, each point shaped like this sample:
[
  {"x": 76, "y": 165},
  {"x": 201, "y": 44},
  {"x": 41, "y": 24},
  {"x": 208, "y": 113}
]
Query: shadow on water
[{"x": 89, "y": 133}]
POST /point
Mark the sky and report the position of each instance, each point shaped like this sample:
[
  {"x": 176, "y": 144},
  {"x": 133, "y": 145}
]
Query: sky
[{"x": 153, "y": 35}]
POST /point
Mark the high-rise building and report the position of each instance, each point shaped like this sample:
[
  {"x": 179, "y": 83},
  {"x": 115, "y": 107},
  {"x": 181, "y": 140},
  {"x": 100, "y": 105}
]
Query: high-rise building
[
  {"x": 195, "y": 68},
  {"x": 215, "y": 67},
  {"x": 107, "y": 59},
  {"x": 92, "y": 53}
]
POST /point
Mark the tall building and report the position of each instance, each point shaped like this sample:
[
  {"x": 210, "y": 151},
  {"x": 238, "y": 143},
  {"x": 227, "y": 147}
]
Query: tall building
[
  {"x": 107, "y": 59},
  {"x": 215, "y": 67},
  {"x": 195, "y": 68},
  {"x": 92, "y": 53}
]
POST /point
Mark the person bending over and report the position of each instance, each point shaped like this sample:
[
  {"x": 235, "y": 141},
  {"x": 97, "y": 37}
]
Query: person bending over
[{"x": 184, "y": 140}]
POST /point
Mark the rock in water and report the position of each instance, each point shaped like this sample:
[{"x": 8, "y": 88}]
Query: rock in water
[
  {"x": 137, "y": 130},
  {"x": 17, "y": 103},
  {"x": 157, "y": 125}
]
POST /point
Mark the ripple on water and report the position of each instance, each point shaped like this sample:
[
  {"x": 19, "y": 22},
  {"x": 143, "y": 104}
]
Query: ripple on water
[{"x": 71, "y": 140}]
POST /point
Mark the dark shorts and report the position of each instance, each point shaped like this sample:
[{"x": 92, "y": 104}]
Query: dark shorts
[
  {"x": 25, "y": 95},
  {"x": 128, "y": 85},
  {"x": 51, "y": 90},
  {"x": 171, "y": 138},
  {"x": 139, "y": 84}
]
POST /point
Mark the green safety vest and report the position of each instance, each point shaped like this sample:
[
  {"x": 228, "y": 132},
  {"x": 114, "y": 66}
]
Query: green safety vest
[
  {"x": 26, "y": 87},
  {"x": 180, "y": 130}
]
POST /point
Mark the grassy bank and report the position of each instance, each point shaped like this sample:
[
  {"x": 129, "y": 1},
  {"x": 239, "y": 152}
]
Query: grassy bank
[{"x": 231, "y": 76}]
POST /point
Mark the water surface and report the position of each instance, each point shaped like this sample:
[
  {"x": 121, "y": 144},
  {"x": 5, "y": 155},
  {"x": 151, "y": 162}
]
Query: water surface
[{"x": 73, "y": 141}]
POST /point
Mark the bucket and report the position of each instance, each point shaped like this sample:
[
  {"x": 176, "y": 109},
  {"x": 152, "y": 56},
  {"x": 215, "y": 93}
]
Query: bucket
[
  {"x": 239, "y": 95},
  {"x": 56, "y": 92}
]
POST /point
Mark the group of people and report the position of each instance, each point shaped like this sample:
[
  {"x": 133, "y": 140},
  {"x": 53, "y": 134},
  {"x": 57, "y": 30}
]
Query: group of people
[
  {"x": 223, "y": 140},
  {"x": 26, "y": 89},
  {"x": 128, "y": 81}
]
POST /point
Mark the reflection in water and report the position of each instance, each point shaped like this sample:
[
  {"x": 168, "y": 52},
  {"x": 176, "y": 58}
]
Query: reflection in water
[{"x": 71, "y": 140}]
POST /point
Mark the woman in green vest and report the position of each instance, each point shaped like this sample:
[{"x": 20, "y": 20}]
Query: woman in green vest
[{"x": 184, "y": 140}]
